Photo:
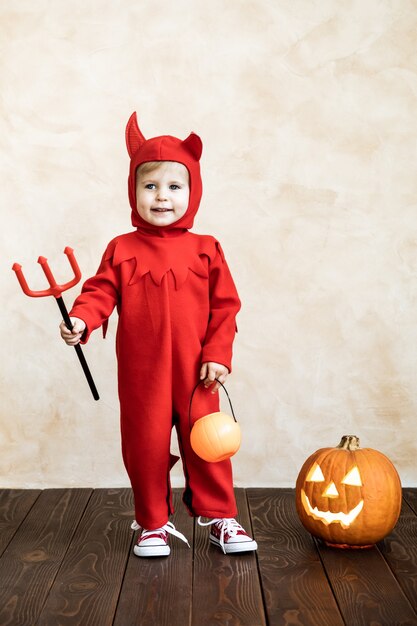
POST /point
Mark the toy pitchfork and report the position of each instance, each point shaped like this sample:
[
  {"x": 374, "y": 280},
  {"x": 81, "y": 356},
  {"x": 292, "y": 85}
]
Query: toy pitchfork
[{"x": 56, "y": 291}]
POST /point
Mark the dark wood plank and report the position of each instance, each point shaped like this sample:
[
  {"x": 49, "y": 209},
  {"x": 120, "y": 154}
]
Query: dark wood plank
[
  {"x": 63, "y": 556},
  {"x": 157, "y": 591},
  {"x": 410, "y": 496},
  {"x": 365, "y": 588},
  {"x": 226, "y": 589},
  {"x": 295, "y": 587},
  {"x": 400, "y": 552},
  {"x": 31, "y": 561},
  {"x": 14, "y": 506},
  {"x": 87, "y": 586}
]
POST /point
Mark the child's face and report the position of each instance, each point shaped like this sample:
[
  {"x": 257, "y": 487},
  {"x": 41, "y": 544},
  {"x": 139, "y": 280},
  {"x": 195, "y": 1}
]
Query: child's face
[{"x": 162, "y": 194}]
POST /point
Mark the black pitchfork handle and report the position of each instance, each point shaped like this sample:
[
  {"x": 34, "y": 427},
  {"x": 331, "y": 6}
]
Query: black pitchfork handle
[{"x": 78, "y": 349}]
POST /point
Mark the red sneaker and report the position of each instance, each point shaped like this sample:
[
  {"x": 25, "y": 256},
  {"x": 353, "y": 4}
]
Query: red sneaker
[
  {"x": 155, "y": 542},
  {"x": 229, "y": 535}
]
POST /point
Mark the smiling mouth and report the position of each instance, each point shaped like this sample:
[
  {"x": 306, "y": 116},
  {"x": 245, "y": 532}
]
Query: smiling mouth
[
  {"x": 327, "y": 517},
  {"x": 161, "y": 210}
]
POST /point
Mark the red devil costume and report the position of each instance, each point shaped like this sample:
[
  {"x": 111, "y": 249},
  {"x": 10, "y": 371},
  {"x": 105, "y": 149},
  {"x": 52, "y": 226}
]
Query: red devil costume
[{"x": 177, "y": 305}]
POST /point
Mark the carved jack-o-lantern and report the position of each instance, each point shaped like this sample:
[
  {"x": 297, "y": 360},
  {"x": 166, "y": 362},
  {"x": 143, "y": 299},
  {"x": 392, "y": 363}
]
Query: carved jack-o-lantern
[{"x": 348, "y": 496}]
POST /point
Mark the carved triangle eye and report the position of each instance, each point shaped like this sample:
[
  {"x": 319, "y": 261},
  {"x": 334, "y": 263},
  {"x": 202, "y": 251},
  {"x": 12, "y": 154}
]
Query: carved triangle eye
[
  {"x": 353, "y": 478},
  {"x": 315, "y": 474}
]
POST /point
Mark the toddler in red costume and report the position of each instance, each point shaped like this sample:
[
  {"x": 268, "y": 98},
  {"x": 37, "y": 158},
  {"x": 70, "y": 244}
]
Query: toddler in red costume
[{"x": 177, "y": 305}]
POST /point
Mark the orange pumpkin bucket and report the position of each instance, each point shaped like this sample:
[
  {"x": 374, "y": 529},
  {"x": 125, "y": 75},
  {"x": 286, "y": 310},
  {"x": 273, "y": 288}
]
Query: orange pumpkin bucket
[{"x": 215, "y": 437}]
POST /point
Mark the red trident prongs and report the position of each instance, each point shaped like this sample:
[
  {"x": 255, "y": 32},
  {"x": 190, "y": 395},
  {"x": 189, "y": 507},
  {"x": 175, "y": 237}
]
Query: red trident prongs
[{"x": 56, "y": 291}]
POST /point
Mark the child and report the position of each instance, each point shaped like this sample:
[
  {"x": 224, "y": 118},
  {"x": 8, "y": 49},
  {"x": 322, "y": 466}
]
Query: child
[{"x": 177, "y": 305}]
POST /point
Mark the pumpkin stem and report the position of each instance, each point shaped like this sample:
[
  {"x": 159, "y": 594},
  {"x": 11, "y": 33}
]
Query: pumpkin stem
[{"x": 349, "y": 442}]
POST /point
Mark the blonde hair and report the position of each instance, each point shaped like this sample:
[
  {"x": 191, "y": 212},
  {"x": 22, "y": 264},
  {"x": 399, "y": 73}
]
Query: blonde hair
[{"x": 149, "y": 166}]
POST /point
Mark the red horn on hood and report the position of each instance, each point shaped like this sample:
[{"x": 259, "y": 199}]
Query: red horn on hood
[
  {"x": 193, "y": 145},
  {"x": 134, "y": 138}
]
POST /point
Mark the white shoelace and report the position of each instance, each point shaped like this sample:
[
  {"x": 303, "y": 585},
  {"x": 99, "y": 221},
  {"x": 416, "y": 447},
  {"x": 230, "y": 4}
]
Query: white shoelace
[
  {"x": 169, "y": 528},
  {"x": 226, "y": 525}
]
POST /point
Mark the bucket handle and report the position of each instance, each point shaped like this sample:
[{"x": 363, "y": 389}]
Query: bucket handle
[{"x": 192, "y": 396}]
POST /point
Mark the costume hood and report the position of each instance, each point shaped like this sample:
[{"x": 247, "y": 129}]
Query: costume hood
[{"x": 164, "y": 148}]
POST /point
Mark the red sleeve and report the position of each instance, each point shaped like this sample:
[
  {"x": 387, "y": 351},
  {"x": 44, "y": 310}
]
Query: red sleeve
[
  {"x": 224, "y": 306},
  {"x": 98, "y": 297}
]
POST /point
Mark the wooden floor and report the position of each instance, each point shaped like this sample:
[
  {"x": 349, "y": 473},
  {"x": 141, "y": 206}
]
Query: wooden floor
[{"x": 66, "y": 559}]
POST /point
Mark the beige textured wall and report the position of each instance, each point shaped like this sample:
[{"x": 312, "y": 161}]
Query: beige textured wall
[{"x": 308, "y": 113}]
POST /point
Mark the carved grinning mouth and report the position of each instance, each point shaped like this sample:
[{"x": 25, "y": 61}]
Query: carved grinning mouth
[{"x": 327, "y": 517}]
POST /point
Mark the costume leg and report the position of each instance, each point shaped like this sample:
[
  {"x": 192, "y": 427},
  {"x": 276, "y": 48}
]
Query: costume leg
[
  {"x": 146, "y": 437},
  {"x": 145, "y": 392}
]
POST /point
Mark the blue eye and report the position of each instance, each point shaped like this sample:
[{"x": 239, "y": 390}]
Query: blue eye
[
  {"x": 174, "y": 187},
  {"x": 150, "y": 186}
]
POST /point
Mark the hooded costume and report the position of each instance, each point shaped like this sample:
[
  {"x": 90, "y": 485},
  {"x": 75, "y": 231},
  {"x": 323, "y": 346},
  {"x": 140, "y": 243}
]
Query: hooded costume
[{"x": 177, "y": 305}]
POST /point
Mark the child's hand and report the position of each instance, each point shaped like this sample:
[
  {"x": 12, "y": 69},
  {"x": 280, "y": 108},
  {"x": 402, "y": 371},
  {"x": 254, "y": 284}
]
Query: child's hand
[
  {"x": 73, "y": 337},
  {"x": 210, "y": 371}
]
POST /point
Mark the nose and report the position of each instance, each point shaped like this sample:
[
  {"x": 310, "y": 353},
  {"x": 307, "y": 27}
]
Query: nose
[
  {"x": 161, "y": 195},
  {"x": 331, "y": 491}
]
